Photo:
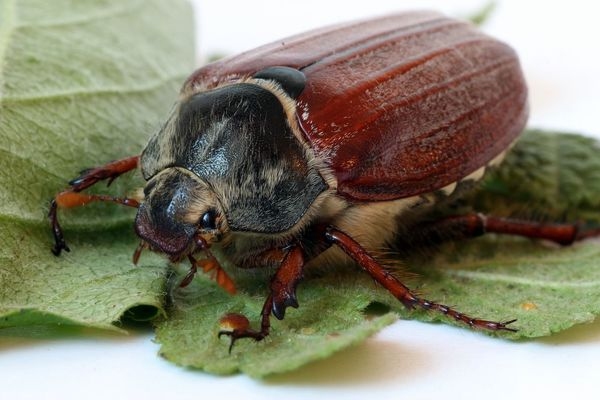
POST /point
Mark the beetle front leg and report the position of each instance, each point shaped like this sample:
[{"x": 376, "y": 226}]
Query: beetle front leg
[
  {"x": 68, "y": 199},
  {"x": 282, "y": 295},
  {"x": 110, "y": 171},
  {"x": 237, "y": 326},
  {"x": 72, "y": 198},
  {"x": 398, "y": 289}
]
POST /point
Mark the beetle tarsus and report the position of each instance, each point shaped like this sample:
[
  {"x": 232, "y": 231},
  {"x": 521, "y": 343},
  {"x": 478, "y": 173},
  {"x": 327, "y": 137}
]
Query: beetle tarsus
[
  {"x": 235, "y": 335},
  {"x": 476, "y": 323},
  {"x": 239, "y": 326},
  {"x": 72, "y": 198},
  {"x": 59, "y": 240}
]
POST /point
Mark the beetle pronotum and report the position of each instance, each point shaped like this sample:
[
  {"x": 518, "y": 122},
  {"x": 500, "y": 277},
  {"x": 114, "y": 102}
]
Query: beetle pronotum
[{"x": 311, "y": 150}]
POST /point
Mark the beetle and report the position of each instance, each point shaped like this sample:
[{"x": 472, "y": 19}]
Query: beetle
[{"x": 314, "y": 149}]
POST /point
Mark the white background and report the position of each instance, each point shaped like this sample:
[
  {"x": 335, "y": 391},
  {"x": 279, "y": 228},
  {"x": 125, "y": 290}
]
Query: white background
[{"x": 558, "y": 45}]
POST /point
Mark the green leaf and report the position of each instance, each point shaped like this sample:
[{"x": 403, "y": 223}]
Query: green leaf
[
  {"x": 74, "y": 77},
  {"x": 482, "y": 15},
  {"x": 94, "y": 286},
  {"x": 548, "y": 174},
  {"x": 546, "y": 288},
  {"x": 81, "y": 83}
]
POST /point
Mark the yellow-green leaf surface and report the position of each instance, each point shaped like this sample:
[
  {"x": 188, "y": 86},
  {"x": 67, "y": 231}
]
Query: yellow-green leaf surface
[
  {"x": 81, "y": 83},
  {"x": 551, "y": 174}
]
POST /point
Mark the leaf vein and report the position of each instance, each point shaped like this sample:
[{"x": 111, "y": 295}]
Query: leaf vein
[
  {"x": 521, "y": 280},
  {"x": 91, "y": 92}
]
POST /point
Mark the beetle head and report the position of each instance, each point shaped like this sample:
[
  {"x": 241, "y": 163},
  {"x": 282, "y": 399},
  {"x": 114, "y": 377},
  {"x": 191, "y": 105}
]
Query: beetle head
[{"x": 179, "y": 214}]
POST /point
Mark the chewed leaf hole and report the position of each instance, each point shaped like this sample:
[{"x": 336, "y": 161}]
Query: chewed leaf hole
[{"x": 376, "y": 309}]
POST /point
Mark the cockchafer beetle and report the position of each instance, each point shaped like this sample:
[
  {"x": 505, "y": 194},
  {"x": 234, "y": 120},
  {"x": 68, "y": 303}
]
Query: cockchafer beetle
[{"x": 312, "y": 149}]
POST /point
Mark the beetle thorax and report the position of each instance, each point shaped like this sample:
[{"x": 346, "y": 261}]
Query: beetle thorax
[{"x": 237, "y": 142}]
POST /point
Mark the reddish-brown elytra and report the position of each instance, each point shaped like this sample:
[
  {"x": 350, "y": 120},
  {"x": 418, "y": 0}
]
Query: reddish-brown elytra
[{"x": 316, "y": 148}]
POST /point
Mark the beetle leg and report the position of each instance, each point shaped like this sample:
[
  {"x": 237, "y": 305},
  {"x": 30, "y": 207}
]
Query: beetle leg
[
  {"x": 110, "y": 171},
  {"x": 72, "y": 198},
  {"x": 209, "y": 264},
  {"x": 398, "y": 289},
  {"x": 68, "y": 199},
  {"x": 237, "y": 326},
  {"x": 282, "y": 295},
  {"x": 473, "y": 225}
]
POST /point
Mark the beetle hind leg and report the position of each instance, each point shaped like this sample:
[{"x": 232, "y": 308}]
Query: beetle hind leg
[
  {"x": 399, "y": 290},
  {"x": 474, "y": 225}
]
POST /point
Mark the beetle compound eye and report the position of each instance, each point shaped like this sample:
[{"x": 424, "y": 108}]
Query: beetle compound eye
[{"x": 209, "y": 220}]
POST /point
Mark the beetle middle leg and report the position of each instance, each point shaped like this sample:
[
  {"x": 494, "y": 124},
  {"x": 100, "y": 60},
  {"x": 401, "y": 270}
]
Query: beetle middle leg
[{"x": 72, "y": 198}]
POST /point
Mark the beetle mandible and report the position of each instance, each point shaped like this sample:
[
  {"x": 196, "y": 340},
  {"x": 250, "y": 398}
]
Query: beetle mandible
[{"x": 311, "y": 150}]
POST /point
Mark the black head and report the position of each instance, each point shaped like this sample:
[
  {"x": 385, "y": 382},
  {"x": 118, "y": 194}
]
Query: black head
[{"x": 177, "y": 209}]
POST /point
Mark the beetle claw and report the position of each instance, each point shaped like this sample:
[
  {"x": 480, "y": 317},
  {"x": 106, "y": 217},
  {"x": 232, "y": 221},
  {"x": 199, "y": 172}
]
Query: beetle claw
[
  {"x": 59, "y": 246},
  {"x": 75, "y": 182},
  {"x": 234, "y": 336},
  {"x": 502, "y": 326},
  {"x": 59, "y": 240},
  {"x": 281, "y": 301}
]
